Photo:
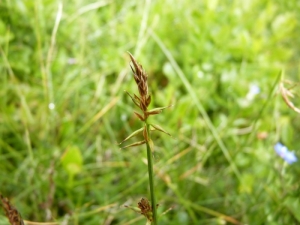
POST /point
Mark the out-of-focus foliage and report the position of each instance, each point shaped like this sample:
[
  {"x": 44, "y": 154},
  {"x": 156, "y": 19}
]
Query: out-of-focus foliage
[{"x": 63, "y": 69}]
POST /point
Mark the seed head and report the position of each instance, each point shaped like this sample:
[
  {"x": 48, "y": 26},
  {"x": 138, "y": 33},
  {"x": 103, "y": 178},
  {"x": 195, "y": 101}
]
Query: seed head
[
  {"x": 145, "y": 208},
  {"x": 141, "y": 79}
]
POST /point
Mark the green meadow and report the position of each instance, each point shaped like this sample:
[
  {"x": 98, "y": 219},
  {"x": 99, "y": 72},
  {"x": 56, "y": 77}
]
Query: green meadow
[{"x": 230, "y": 70}]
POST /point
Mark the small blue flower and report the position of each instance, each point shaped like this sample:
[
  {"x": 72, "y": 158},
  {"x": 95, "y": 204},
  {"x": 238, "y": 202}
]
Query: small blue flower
[
  {"x": 254, "y": 89},
  {"x": 284, "y": 153}
]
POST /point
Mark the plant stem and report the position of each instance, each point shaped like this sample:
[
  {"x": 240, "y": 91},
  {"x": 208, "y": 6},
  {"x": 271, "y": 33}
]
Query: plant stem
[{"x": 151, "y": 177}]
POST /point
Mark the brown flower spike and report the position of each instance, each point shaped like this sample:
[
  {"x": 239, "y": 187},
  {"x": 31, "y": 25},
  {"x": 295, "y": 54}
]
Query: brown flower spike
[
  {"x": 144, "y": 208},
  {"x": 11, "y": 212},
  {"x": 141, "y": 79},
  {"x": 142, "y": 101}
]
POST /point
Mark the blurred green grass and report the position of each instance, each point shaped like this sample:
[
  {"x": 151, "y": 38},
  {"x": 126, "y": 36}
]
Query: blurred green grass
[{"x": 200, "y": 56}]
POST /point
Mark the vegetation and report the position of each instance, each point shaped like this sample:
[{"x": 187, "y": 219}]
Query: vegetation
[{"x": 63, "y": 110}]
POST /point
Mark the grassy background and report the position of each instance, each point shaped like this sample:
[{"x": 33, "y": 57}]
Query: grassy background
[{"x": 64, "y": 164}]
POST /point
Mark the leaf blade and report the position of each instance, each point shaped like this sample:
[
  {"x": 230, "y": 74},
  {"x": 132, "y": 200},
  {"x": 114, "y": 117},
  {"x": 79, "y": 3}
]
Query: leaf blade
[
  {"x": 157, "y": 110},
  {"x": 134, "y": 144},
  {"x": 132, "y": 135},
  {"x": 159, "y": 128}
]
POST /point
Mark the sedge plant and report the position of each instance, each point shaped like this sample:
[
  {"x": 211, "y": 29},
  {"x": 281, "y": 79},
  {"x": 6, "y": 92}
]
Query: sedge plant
[{"x": 142, "y": 101}]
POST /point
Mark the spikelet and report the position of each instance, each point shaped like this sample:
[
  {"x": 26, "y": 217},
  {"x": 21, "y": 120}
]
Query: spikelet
[
  {"x": 144, "y": 208},
  {"x": 142, "y": 101},
  {"x": 141, "y": 79}
]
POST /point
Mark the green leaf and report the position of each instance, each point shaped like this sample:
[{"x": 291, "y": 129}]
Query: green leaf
[
  {"x": 132, "y": 135},
  {"x": 135, "y": 144},
  {"x": 5, "y": 34},
  {"x": 72, "y": 160},
  {"x": 293, "y": 204},
  {"x": 159, "y": 128},
  {"x": 157, "y": 110}
]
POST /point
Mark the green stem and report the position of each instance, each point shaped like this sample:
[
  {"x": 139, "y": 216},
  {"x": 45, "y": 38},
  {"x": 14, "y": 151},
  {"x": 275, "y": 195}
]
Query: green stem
[{"x": 151, "y": 177}]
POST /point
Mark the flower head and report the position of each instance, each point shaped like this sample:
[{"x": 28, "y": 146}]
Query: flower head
[
  {"x": 143, "y": 101},
  {"x": 284, "y": 153},
  {"x": 141, "y": 79},
  {"x": 144, "y": 208}
]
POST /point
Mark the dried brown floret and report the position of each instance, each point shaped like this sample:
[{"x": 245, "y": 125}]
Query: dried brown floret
[
  {"x": 285, "y": 93},
  {"x": 141, "y": 79},
  {"x": 145, "y": 208},
  {"x": 11, "y": 212}
]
